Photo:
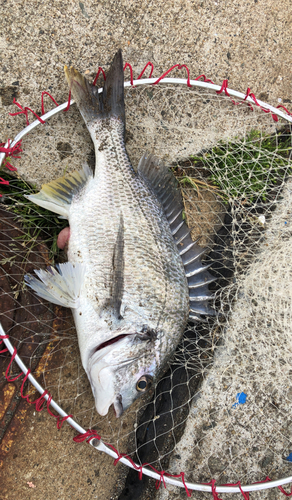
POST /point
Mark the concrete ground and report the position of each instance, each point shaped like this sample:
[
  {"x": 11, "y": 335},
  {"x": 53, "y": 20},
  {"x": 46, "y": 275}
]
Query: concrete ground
[{"x": 248, "y": 43}]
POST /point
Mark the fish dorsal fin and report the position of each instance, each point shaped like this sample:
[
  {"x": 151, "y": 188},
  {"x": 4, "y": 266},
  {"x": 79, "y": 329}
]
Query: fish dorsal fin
[
  {"x": 162, "y": 181},
  {"x": 57, "y": 195},
  {"x": 167, "y": 190}
]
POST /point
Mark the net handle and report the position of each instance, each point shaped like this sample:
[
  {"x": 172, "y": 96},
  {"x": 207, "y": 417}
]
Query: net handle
[
  {"x": 151, "y": 81},
  {"x": 100, "y": 446}
]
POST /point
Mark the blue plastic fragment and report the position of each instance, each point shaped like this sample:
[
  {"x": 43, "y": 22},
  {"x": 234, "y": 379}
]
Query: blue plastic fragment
[
  {"x": 289, "y": 458},
  {"x": 240, "y": 399},
  {"x": 285, "y": 222}
]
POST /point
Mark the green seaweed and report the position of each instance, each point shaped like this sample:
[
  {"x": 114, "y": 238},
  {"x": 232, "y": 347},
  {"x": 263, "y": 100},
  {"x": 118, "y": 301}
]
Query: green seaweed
[
  {"x": 249, "y": 167},
  {"x": 245, "y": 168}
]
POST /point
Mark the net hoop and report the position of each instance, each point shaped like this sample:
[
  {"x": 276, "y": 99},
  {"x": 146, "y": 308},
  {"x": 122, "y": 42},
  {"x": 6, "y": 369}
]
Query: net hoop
[
  {"x": 151, "y": 81},
  {"x": 98, "y": 444}
]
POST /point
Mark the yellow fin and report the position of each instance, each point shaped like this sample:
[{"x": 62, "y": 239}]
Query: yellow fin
[{"x": 57, "y": 195}]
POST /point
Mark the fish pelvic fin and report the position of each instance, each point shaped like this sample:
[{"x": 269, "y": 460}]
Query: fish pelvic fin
[
  {"x": 91, "y": 103},
  {"x": 57, "y": 195},
  {"x": 60, "y": 286}
]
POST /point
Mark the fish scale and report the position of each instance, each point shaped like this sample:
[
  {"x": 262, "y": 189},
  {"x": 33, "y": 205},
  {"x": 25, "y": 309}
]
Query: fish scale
[
  {"x": 138, "y": 213},
  {"x": 133, "y": 274}
]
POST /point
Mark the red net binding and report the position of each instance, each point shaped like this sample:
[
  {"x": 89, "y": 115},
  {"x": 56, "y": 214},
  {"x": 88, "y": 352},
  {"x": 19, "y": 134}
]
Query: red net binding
[
  {"x": 51, "y": 97},
  {"x": 86, "y": 436},
  {"x": 245, "y": 494},
  {"x": 2, "y": 337},
  {"x": 179, "y": 66},
  {"x": 143, "y": 70},
  {"x": 224, "y": 88},
  {"x": 100, "y": 70},
  {"x": 9, "y": 151},
  {"x": 213, "y": 489},
  {"x": 128, "y": 65},
  {"x": 25, "y": 112},
  {"x": 40, "y": 401}
]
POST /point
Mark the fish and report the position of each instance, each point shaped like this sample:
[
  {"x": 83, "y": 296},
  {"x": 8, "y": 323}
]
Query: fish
[{"x": 134, "y": 276}]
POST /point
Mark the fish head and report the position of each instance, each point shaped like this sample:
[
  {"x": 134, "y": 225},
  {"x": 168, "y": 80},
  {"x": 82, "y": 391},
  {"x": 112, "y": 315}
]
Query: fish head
[{"x": 123, "y": 369}]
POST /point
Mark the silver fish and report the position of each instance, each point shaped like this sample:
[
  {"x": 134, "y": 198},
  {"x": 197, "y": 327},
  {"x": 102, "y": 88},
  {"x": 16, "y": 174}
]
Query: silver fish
[{"x": 134, "y": 275}]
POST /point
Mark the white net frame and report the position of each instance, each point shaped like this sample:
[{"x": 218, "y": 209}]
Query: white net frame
[{"x": 98, "y": 443}]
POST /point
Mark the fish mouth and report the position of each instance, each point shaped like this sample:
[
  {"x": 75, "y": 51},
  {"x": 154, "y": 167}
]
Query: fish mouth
[{"x": 111, "y": 341}]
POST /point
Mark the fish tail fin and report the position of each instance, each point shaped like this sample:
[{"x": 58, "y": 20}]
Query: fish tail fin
[{"x": 94, "y": 105}]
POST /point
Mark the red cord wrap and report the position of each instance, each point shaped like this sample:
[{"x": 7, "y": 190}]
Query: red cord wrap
[
  {"x": 10, "y": 151},
  {"x": 3, "y": 181},
  {"x": 8, "y": 368},
  {"x": 224, "y": 89},
  {"x": 69, "y": 99},
  {"x": 244, "y": 494},
  {"x": 285, "y": 109},
  {"x": 206, "y": 80},
  {"x": 213, "y": 488},
  {"x": 179, "y": 66},
  {"x": 284, "y": 492},
  {"x": 100, "y": 70},
  {"x": 143, "y": 70},
  {"x": 128, "y": 65},
  {"x": 2, "y": 337},
  {"x": 60, "y": 420},
  {"x": 88, "y": 436},
  {"x": 24, "y": 112},
  {"x": 47, "y": 93}
]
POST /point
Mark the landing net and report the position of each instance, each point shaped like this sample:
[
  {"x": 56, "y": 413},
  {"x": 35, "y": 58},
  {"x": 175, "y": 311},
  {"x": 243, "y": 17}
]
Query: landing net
[{"x": 222, "y": 412}]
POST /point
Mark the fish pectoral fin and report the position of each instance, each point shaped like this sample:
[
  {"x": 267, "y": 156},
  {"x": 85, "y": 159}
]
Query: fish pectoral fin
[
  {"x": 57, "y": 195},
  {"x": 61, "y": 286}
]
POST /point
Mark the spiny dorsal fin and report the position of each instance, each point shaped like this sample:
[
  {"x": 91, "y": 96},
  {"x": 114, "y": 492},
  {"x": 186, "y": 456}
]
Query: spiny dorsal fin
[
  {"x": 167, "y": 190},
  {"x": 57, "y": 195},
  {"x": 162, "y": 182}
]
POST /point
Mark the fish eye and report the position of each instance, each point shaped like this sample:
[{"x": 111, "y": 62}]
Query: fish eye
[{"x": 144, "y": 383}]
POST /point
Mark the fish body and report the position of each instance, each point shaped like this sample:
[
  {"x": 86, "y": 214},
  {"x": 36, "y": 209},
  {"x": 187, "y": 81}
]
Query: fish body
[{"x": 126, "y": 279}]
